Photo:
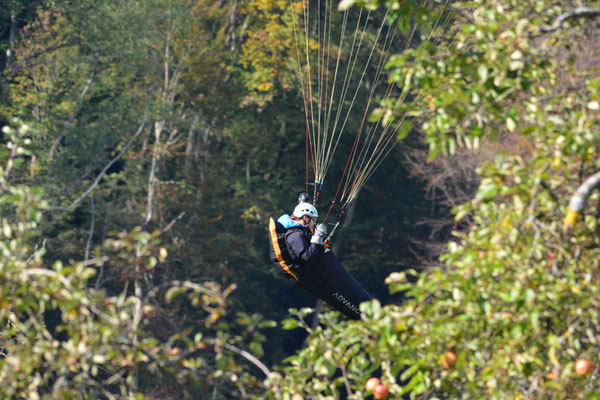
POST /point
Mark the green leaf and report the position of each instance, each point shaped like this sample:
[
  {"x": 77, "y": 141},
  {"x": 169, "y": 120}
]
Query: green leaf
[
  {"x": 404, "y": 129},
  {"x": 482, "y": 72},
  {"x": 511, "y": 125}
]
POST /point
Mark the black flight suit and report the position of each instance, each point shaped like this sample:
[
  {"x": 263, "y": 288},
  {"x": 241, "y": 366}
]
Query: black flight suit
[{"x": 321, "y": 274}]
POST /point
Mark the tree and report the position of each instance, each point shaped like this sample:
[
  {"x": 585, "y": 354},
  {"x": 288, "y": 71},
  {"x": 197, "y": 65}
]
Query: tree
[
  {"x": 516, "y": 294},
  {"x": 103, "y": 345},
  {"x": 116, "y": 134}
]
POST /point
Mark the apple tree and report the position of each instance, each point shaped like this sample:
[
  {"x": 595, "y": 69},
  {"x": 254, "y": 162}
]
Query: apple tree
[{"x": 512, "y": 307}]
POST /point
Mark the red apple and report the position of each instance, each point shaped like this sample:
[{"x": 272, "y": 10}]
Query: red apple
[
  {"x": 381, "y": 391},
  {"x": 371, "y": 384},
  {"x": 449, "y": 360},
  {"x": 583, "y": 366}
]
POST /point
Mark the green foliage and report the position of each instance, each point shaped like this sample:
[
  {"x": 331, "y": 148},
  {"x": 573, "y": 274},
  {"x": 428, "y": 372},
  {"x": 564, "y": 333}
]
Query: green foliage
[
  {"x": 201, "y": 163},
  {"x": 101, "y": 283},
  {"x": 102, "y": 345},
  {"x": 515, "y": 297},
  {"x": 269, "y": 52}
]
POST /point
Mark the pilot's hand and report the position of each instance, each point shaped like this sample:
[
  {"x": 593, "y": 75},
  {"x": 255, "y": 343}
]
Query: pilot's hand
[{"x": 319, "y": 235}]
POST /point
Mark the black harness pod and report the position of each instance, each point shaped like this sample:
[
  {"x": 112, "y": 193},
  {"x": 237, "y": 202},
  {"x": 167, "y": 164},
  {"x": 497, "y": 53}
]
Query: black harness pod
[{"x": 279, "y": 252}]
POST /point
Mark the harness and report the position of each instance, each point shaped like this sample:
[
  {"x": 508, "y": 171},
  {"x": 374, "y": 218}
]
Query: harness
[{"x": 279, "y": 251}]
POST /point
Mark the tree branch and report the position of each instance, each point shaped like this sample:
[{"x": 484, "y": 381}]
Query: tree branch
[
  {"x": 93, "y": 225},
  {"x": 250, "y": 358},
  {"x": 346, "y": 381},
  {"x": 47, "y": 272},
  {"x": 587, "y": 12},
  {"x": 99, "y": 177},
  {"x": 578, "y": 200},
  {"x": 170, "y": 225}
]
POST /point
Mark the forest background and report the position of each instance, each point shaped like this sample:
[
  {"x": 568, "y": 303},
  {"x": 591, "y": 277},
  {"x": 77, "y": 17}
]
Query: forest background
[{"x": 147, "y": 143}]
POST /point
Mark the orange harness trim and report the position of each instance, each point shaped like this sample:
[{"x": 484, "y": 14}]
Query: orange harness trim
[{"x": 273, "y": 232}]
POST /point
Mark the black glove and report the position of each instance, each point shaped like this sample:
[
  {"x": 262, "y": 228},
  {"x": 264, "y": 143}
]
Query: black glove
[{"x": 320, "y": 233}]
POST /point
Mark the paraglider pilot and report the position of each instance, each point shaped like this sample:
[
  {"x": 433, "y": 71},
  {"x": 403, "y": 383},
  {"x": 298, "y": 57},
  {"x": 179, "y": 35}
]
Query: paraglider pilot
[{"x": 298, "y": 249}]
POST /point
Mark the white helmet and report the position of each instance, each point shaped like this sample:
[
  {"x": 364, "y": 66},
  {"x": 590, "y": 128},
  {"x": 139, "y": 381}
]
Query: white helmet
[{"x": 303, "y": 209}]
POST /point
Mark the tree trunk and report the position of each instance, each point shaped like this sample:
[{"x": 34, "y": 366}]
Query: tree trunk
[
  {"x": 158, "y": 127},
  {"x": 189, "y": 148},
  {"x": 12, "y": 37}
]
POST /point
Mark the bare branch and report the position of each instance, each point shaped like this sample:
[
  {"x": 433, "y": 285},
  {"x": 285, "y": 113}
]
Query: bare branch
[
  {"x": 586, "y": 12},
  {"x": 168, "y": 227},
  {"x": 346, "y": 381},
  {"x": 93, "y": 225},
  {"x": 47, "y": 272},
  {"x": 306, "y": 327},
  {"x": 34, "y": 253},
  {"x": 99, "y": 177},
  {"x": 96, "y": 260},
  {"x": 250, "y": 358},
  {"x": 550, "y": 191}
]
